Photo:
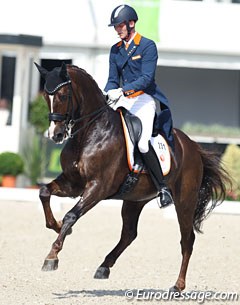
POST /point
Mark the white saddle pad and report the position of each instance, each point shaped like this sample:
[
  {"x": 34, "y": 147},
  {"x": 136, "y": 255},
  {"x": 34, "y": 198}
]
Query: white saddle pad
[{"x": 159, "y": 144}]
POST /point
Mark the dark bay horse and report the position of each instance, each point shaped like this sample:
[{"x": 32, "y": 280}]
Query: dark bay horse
[{"x": 94, "y": 165}]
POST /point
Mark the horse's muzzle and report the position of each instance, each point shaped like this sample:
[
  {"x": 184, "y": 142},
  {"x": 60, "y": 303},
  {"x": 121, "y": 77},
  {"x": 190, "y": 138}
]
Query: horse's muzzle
[
  {"x": 59, "y": 134},
  {"x": 58, "y": 138}
]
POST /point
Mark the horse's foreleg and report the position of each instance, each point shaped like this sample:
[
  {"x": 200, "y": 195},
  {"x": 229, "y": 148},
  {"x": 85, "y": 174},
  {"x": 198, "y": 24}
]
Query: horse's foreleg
[
  {"x": 130, "y": 215},
  {"x": 59, "y": 187},
  {"x": 90, "y": 199},
  {"x": 51, "y": 261},
  {"x": 44, "y": 195}
]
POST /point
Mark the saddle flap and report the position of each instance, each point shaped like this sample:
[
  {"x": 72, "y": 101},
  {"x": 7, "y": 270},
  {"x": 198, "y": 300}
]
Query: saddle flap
[
  {"x": 133, "y": 123},
  {"x": 134, "y": 158}
]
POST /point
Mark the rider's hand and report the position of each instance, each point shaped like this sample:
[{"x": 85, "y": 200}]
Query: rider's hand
[{"x": 115, "y": 94}]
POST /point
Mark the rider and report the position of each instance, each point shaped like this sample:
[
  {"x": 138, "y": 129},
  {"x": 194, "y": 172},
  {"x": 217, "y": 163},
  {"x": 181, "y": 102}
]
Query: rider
[{"x": 131, "y": 81}]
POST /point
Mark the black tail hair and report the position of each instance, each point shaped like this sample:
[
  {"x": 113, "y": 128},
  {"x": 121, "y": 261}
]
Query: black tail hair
[{"x": 213, "y": 189}]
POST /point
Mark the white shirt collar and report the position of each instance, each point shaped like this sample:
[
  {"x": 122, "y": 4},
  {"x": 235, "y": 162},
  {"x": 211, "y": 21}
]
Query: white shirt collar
[{"x": 129, "y": 41}]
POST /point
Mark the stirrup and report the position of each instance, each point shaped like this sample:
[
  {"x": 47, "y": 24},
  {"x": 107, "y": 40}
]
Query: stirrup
[{"x": 168, "y": 197}]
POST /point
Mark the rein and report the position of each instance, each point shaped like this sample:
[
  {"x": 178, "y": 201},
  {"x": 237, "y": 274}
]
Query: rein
[
  {"x": 69, "y": 122},
  {"x": 97, "y": 113}
]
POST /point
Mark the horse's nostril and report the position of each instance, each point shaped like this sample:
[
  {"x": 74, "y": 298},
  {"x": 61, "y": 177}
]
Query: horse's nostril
[{"x": 58, "y": 137}]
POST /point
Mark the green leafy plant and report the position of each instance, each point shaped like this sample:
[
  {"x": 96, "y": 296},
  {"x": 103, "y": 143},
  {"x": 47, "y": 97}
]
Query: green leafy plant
[
  {"x": 11, "y": 164},
  {"x": 38, "y": 114},
  {"x": 214, "y": 130},
  {"x": 34, "y": 152},
  {"x": 34, "y": 160},
  {"x": 231, "y": 161}
]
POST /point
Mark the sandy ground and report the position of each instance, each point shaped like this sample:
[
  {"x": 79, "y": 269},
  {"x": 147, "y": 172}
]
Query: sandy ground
[{"x": 150, "y": 264}]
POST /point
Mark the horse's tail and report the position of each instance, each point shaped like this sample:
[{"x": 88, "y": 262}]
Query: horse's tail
[{"x": 213, "y": 189}]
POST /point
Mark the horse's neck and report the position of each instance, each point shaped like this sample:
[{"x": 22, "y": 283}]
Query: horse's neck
[
  {"x": 91, "y": 114},
  {"x": 103, "y": 115},
  {"x": 92, "y": 104}
]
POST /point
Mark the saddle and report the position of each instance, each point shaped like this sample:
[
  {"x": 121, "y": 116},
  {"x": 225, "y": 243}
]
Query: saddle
[{"x": 132, "y": 128}]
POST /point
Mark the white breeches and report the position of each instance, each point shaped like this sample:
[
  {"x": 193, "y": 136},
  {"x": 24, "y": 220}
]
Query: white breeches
[{"x": 144, "y": 107}]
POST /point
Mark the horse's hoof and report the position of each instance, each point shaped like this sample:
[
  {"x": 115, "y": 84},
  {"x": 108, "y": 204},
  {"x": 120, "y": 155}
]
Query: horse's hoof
[
  {"x": 50, "y": 265},
  {"x": 175, "y": 292},
  {"x": 102, "y": 273}
]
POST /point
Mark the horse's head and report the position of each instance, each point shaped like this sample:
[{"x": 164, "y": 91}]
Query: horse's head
[
  {"x": 73, "y": 97},
  {"x": 58, "y": 94}
]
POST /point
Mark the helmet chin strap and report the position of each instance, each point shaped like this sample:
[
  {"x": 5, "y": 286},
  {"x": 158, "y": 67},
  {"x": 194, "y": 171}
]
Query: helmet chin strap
[{"x": 129, "y": 30}]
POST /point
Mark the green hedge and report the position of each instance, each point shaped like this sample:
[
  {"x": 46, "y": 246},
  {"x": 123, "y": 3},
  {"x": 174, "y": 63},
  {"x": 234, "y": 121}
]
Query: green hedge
[
  {"x": 214, "y": 130},
  {"x": 38, "y": 114},
  {"x": 11, "y": 164},
  {"x": 231, "y": 161}
]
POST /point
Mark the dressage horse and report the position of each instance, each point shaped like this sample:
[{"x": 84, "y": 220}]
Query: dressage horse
[{"x": 94, "y": 165}]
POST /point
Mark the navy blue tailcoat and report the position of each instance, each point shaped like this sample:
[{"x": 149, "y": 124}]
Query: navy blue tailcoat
[{"x": 133, "y": 70}]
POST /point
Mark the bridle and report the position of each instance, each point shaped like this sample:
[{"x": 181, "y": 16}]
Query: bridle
[
  {"x": 68, "y": 117},
  {"x": 55, "y": 80},
  {"x": 58, "y": 117}
]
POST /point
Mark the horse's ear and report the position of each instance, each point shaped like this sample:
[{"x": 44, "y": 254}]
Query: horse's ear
[
  {"x": 63, "y": 72},
  {"x": 42, "y": 70}
]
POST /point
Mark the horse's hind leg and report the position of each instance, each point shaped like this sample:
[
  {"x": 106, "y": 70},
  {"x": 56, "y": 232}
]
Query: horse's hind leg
[
  {"x": 130, "y": 215},
  {"x": 185, "y": 220},
  {"x": 187, "y": 242}
]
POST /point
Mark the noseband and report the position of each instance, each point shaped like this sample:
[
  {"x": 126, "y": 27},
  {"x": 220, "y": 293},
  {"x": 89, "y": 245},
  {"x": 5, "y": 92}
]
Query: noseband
[{"x": 57, "y": 117}]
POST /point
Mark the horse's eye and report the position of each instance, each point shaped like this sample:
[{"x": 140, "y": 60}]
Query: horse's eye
[{"x": 63, "y": 98}]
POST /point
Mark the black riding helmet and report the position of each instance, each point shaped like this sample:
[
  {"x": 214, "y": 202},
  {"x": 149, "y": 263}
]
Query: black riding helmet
[{"x": 123, "y": 13}]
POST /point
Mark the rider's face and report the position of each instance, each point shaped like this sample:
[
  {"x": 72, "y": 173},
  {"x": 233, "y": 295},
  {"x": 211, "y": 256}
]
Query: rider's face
[{"x": 121, "y": 29}]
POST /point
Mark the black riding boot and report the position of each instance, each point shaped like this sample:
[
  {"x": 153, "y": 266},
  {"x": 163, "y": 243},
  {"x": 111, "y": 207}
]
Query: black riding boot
[{"x": 155, "y": 171}]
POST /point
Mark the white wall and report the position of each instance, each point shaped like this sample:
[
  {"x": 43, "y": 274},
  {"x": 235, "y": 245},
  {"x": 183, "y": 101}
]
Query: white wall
[
  {"x": 196, "y": 25},
  {"x": 24, "y": 89},
  {"x": 192, "y": 33},
  {"x": 59, "y": 21},
  {"x": 202, "y": 26}
]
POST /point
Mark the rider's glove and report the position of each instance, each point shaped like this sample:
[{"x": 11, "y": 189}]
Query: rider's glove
[
  {"x": 115, "y": 94},
  {"x": 105, "y": 95}
]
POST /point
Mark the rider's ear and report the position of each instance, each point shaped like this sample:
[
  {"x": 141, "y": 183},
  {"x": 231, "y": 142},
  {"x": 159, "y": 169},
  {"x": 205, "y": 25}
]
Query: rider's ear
[
  {"x": 42, "y": 70},
  {"x": 132, "y": 23},
  {"x": 63, "y": 72}
]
